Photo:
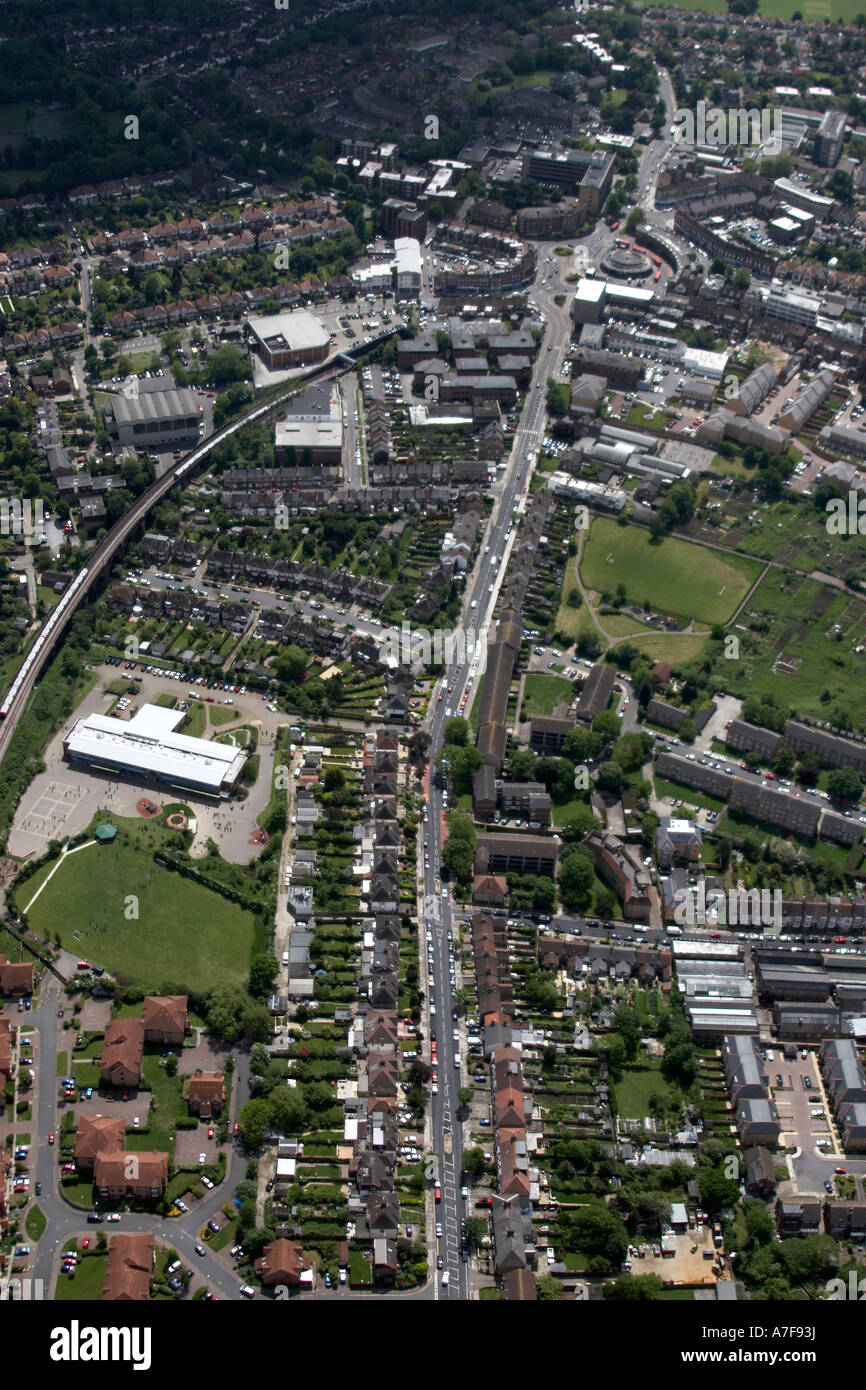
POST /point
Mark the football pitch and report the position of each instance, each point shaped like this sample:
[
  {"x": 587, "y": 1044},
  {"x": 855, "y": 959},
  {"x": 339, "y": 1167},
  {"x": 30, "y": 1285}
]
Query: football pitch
[
  {"x": 184, "y": 933},
  {"x": 680, "y": 579}
]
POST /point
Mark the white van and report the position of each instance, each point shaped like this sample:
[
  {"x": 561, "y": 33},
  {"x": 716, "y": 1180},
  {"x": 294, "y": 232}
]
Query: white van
[{"x": 285, "y": 957}]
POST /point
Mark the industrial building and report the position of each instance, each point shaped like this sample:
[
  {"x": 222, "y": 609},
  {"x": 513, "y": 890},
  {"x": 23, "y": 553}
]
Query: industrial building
[
  {"x": 148, "y": 749},
  {"x": 154, "y": 420},
  {"x": 289, "y": 340}
]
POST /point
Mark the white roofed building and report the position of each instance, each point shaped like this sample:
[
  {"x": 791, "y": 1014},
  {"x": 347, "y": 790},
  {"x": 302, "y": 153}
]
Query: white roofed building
[{"x": 148, "y": 749}]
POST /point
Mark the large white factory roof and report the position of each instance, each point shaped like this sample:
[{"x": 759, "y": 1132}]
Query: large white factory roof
[{"x": 149, "y": 742}]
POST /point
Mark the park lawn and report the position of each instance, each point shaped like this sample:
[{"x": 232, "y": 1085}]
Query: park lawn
[
  {"x": 541, "y": 694},
  {"x": 185, "y": 932},
  {"x": 87, "y": 1283},
  {"x": 634, "y": 1090},
  {"x": 677, "y": 577},
  {"x": 674, "y": 647}
]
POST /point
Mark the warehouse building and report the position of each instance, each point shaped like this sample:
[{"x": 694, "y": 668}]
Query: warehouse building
[
  {"x": 289, "y": 340},
  {"x": 148, "y": 749},
  {"x": 154, "y": 420}
]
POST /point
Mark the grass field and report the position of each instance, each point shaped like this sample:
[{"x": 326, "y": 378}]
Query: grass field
[
  {"x": 87, "y": 1282},
  {"x": 676, "y": 577},
  {"x": 837, "y": 11},
  {"x": 541, "y": 694},
  {"x": 184, "y": 932},
  {"x": 634, "y": 1090}
]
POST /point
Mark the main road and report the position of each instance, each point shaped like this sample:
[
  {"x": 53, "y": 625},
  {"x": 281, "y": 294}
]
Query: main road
[{"x": 461, "y": 675}]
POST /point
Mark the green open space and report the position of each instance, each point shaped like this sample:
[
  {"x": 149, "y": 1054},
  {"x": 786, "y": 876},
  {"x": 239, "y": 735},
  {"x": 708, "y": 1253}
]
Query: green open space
[
  {"x": 634, "y": 1090},
  {"x": 184, "y": 931},
  {"x": 87, "y": 1282},
  {"x": 35, "y": 1223},
  {"x": 679, "y": 578},
  {"x": 542, "y": 694}
]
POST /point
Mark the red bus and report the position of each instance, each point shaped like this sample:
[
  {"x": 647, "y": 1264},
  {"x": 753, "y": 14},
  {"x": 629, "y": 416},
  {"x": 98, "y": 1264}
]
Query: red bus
[
  {"x": 620, "y": 241},
  {"x": 657, "y": 260},
  {"x": 642, "y": 249},
  {"x": 613, "y": 226},
  {"x": 657, "y": 277}
]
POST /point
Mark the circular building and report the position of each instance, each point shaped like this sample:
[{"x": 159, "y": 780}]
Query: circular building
[{"x": 621, "y": 263}]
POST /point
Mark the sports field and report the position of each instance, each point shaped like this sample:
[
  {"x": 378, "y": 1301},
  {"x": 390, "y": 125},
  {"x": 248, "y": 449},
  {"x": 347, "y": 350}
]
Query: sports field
[
  {"x": 838, "y": 11},
  {"x": 683, "y": 580},
  {"x": 184, "y": 933}
]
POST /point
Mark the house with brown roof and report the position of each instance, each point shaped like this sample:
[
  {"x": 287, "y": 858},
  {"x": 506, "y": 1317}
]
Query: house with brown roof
[
  {"x": 97, "y": 1134},
  {"x": 16, "y": 980},
  {"x": 661, "y": 675},
  {"x": 281, "y": 1262},
  {"x": 141, "y": 1174},
  {"x": 490, "y": 889},
  {"x": 207, "y": 1094},
  {"x": 164, "y": 1019},
  {"x": 380, "y": 1029},
  {"x": 382, "y": 1074},
  {"x": 130, "y": 1262},
  {"x": 120, "y": 1063}
]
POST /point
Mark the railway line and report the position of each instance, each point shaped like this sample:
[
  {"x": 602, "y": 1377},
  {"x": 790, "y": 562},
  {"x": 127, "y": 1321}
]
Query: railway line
[{"x": 15, "y": 699}]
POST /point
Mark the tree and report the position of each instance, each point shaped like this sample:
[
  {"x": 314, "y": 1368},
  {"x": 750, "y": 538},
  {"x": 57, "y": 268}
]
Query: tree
[
  {"x": 653, "y": 1209},
  {"x": 610, "y": 777},
  {"x": 579, "y": 824},
  {"x": 549, "y": 1289},
  {"x": 576, "y": 875},
  {"x": 475, "y": 1229},
  {"x": 223, "y": 1009},
  {"x": 288, "y": 1109},
  {"x": 335, "y": 779},
  {"x": 456, "y": 733},
  {"x": 845, "y": 784},
  {"x": 473, "y": 1162},
  {"x": 627, "y": 1024},
  {"x": 595, "y": 1230},
  {"x": 291, "y": 664},
  {"x": 607, "y": 724},
  {"x": 254, "y": 1118},
  {"x": 263, "y": 972},
  {"x": 171, "y": 1064},
  {"x": 464, "y": 1095},
  {"x": 522, "y": 765}
]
